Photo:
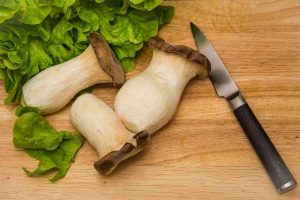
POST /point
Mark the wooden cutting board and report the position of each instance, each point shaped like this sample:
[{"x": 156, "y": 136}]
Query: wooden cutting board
[{"x": 202, "y": 153}]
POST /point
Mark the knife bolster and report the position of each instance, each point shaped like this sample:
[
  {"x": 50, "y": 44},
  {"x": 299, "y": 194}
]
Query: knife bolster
[{"x": 237, "y": 101}]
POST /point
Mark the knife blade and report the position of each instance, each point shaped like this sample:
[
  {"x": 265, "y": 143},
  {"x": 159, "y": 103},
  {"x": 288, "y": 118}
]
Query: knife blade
[
  {"x": 221, "y": 79},
  {"x": 225, "y": 87}
]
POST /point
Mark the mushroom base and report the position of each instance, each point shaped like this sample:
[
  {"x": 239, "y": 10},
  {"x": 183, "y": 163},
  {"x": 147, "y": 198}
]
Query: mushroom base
[{"x": 109, "y": 162}]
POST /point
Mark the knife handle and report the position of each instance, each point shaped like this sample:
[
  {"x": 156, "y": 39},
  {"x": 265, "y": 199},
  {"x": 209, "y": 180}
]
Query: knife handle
[{"x": 279, "y": 173}]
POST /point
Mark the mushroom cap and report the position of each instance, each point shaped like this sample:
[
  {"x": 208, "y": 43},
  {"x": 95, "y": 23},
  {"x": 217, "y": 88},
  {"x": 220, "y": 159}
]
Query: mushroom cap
[
  {"x": 183, "y": 51},
  {"x": 109, "y": 162},
  {"x": 107, "y": 59}
]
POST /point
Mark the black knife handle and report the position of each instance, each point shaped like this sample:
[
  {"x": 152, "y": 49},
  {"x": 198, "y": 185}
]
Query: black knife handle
[{"x": 279, "y": 173}]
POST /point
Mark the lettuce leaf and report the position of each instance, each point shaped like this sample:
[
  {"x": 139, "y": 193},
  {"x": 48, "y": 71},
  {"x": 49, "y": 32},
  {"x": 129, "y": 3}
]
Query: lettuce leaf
[
  {"x": 54, "y": 150},
  {"x": 128, "y": 63},
  {"x": 25, "y": 11},
  {"x": 145, "y": 4},
  {"x": 135, "y": 27},
  {"x": 37, "y": 34},
  {"x": 59, "y": 159},
  {"x": 32, "y": 131},
  {"x": 8, "y": 9}
]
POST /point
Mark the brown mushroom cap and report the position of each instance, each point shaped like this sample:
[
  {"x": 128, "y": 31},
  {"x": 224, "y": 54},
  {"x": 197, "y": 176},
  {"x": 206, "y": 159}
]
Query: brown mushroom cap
[
  {"x": 109, "y": 162},
  {"x": 183, "y": 51},
  {"x": 107, "y": 59}
]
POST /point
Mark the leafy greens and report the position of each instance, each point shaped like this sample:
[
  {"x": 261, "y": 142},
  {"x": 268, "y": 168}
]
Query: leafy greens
[
  {"x": 54, "y": 150},
  {"x": 36, "y": 34}
]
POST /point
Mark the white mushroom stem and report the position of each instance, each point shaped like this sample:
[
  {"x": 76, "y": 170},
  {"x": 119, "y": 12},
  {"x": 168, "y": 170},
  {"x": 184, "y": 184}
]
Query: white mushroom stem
[
  {"x": 53, "y": 88},
  {"x": 149, "y": 100},
  {"x": 99, "y": 124}
]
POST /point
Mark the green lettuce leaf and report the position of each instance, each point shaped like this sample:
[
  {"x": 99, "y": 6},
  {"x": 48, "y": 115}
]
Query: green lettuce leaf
[
  {"x": 65, "y": 4},
  {"x": 37, "y": 34},
  {"x": 32, "y": 131},
  {"x": 8, "y": 8},
  {"x": 135, "y": 27},
  {"x": 128, "y": 63},
  {"x": 59, "y": 159},
  {"x": 13, "y": 81},
  {"x": 32, "y": 11},
  {"x": 145, "y": 4},
  {"x": 25, "y": 11},
  {"x": 2, "y": 74},
  {"x": 165, "y": 14},
  {"x": 128, "y": 50},
  {"x": 6, "y": 13},
  {"x": 22, "y": 110},
  {"x": 54, "y": 150}
]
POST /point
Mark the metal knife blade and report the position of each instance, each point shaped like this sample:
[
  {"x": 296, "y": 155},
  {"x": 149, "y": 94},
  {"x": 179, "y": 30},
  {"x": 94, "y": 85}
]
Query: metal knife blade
[{"x": 220, "y": 77}]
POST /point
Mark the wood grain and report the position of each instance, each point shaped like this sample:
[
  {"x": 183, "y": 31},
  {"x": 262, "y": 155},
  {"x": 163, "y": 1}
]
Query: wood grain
[{"x": 202, "y": 153}]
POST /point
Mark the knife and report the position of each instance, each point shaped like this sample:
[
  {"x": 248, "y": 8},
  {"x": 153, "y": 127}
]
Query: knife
[{"x": 225, "y": 87}]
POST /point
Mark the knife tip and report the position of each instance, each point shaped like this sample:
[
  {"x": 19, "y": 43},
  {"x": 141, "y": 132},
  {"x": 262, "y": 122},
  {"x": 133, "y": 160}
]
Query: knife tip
[
  {"x": 194, "y": 27},
  {"x": 192, "y": 24}
]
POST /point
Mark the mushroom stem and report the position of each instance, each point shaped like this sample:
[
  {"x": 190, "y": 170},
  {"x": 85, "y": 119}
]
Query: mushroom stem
[
  {"x": 99, "y": 124},
  {"x": 149, "y": 100},
  {"x": 54, "y": 87}
]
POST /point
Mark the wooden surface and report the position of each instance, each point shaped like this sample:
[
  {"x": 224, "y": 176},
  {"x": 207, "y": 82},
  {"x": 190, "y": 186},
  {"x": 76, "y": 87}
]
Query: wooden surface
[{"x": 202, "y": 153}]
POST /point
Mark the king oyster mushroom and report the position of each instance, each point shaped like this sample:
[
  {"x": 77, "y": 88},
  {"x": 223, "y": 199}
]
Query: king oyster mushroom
[
  {"x": 100, "y": 125},
  {"x": 149, "y": 100},
  {"x": 53, "y": 88}
]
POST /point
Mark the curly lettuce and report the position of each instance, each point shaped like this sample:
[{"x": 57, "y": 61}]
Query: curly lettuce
[
  {"x": 37, "y": 34},
  {"x": 144, "y": 4},
  {"x": 59, "y": 159},
  {"x": 55, "y": 150}
]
